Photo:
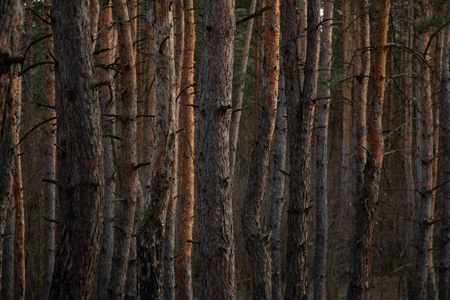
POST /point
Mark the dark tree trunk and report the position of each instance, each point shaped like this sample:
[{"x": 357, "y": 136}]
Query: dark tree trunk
[
  {"x": 151, "y": 232},
  {"x": 300, "y": 106},
  {"x": 368, "y": 200},
  {"x": 80, "y": 154},
  {"x": 324, "y": 93},
  {"x": 11, "y": 12},
  {"x": 257, "y": 240},
  {"x": 212, "y": 150}
]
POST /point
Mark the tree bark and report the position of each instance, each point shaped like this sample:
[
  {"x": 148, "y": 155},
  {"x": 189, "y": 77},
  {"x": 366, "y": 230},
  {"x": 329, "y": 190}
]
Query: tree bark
[
  {"x": 257, "y": 240},
  {"x": 278, "y": 196},
  {"x": 368, "y": 200},
  {"x": 212, "y": 178},
  {"x": 424, "y": 115},
  {"x": 8, "y": 254},
  {"x": 300, "y": 106},
  {"x": 11, "y": 13},
  {"x": 444, "y": 245},
  {"x": 187, "y": 156},
  {"x": 151, "y": 232},
  {"x": 19, "y": 208},
  {"x": 80, "y": 156},
  {"x": 108, "y": 107},
  {"x": 125, "y": 208},
  {"x": 324, "y": 94},
  {"x": 50, "y": 169},
  {"x": 237, "y": 112}
]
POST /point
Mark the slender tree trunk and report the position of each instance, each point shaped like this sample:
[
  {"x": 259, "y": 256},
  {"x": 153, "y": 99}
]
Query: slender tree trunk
[
  {"x": 257, "y": 240},
  {"x": 278, "y": 196},
  {"x": 8, "y": 254},
  {"x": 79, "y": 138},
  {"x": 444, "y": 245},
  {"x": 257, "y": 84},
  {"x": 151, "y": 232},
  {"x": 324, "y": 94},
  {"x": 108, "y": 107},
  {"x": 50, "y": 169},
  {"x": 11, "y": 12},
  {"x": 300, "y": 118},
  {"x": 213, "y": 182},
  {"x": 124, "y": 209},
  {"x": 424, "y": 115},
  {"x": 237, "y": 112},
  {"x": 408, "y": 142},
  {"x": 187, "y": 156},
  {"x": 131, "y": 288},
  {"x": 19, "y": 208},
  {"x": 346, "y": 94},
  {"x": 368, "y": 200}
]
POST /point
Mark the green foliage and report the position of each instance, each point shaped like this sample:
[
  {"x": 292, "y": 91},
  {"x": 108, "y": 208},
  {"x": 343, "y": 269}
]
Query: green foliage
[{"x": 424, "y": 25}]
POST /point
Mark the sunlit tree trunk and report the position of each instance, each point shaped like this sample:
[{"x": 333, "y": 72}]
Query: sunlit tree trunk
[
  {"x": 50, "y": 168},
  {"x": 11, "y": 13},
  {"x": 151, "y": 232},
  {"x": 187, "y": 156},
  {"x": 108, "y": 107},
  {"x": 444, "y": 245},
  {"x": 79, "y": 137},
  {"x": 19, "y": 207},
  {"x": 212, "y": 177},
  {"x": 300, "y": 106},
  {"x": 368, "y": 199},
  {"x": 324, "y": 94},
  {"x": 257, "y": 240},
  {"x": 237, "y": 112}
]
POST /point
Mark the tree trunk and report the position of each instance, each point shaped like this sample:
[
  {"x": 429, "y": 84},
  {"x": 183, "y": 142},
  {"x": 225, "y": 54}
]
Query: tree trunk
[
  {"x": 237, "y": 112},
  {"x": 424, "y": 115},
  {"x": 19, "y": 208},
  {"x": 151, "y": 232},
  {"x": 257, "y": 240},
  {"x": 368, "y": 200},
  {"x": 444, "y": 245},
  {"x": 324, "y": 94},
  {"x": 108, "y": 106},
  {"x": 213, "y": 182},
  {"x": 187, "y": 156},
  {"x": 79, "y": 137},
  {"x": 124, "y": 210},
  {"x": 11, "y": 12},
  {"x": 8, "y": 254},
  {"x": 50, "y": 169},
  {"x": 300, "y": 119},
  {"x": 408, "y": 142}
]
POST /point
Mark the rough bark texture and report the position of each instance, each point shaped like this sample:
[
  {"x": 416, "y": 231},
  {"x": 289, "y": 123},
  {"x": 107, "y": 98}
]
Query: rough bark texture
[
  {"x": 278, "y": 196},
  {"x": 124, "y": 210},
  {"x": 8, "y": 254},
  {"x": 324, "y": 93},
  {"x": 151, "y": 232},
  {"x": 300, "y": 118},
  {"x": 367, "y": 202},
  {"x": 424, "y": 123},
  {"x": 212, "y": 149},
  {"x": 80, "y": 155},
  {"x": 237, "y": 112},
  {"x": 19, "y": 207},
  {"x": 11, "y": 13},
  {"x": 257, "y": 240},
  {"x": 131, "y": 288},
  {"x": 444, "y": 245},
  {"x": 50, "y": 169},
  {"x": 187, "y": 156},
  {"x": 108, "y": 106}
]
